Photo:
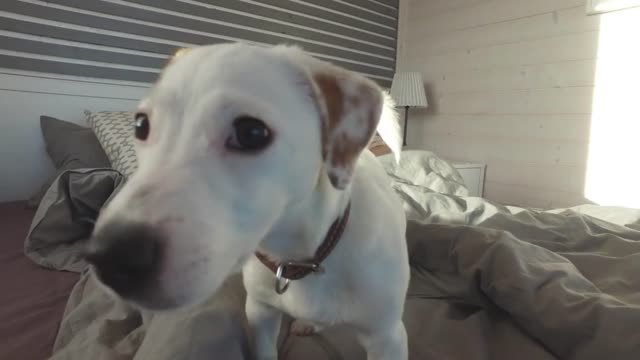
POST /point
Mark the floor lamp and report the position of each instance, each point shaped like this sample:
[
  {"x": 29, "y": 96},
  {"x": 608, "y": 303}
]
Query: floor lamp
[{"x": 407, "y": 90}]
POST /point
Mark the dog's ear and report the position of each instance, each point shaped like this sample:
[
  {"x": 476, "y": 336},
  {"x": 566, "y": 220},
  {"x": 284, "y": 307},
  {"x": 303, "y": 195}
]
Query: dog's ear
[
  {"x": 177, "y": 54},
  {"x": 350, "y": 107}
]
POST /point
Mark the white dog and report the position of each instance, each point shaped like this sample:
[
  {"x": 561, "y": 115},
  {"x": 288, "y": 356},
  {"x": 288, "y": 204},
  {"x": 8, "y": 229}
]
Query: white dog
[{"x": 256, "y": 159}]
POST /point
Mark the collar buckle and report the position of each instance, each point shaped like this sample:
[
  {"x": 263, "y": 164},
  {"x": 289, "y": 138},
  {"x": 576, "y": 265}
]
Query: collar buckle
[
  {"x": 295, "y": 270},
  {"x": 282, "y": 283}
]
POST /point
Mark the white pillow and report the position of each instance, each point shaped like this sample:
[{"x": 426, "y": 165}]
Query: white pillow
[
  {"x": 115, "y": 132},
  {"x": 425, "y": 169}
]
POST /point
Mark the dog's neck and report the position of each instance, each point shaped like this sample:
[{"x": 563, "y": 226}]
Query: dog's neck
[{"x": 304, "y": 225}]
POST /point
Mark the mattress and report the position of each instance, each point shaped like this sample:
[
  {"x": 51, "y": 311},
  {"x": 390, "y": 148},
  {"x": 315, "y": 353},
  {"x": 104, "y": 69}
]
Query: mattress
[{"x": 32, "y": 299}]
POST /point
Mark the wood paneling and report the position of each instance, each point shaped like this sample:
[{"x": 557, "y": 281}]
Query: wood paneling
[
  {"x": 572, "y": 47},
  {"x": 510, "y": 84},
  {"x": 548, "y": 24},
  {"x": 522, "y": 77},
  {"x": 570, "y": 100},
  {"x": 511, "y": 194},
  {"x": 471, "y": 14}
]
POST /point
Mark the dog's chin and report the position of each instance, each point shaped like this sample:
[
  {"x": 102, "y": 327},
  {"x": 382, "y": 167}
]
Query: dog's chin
[
  {"x": 154, "y": 299},
  {"x": 159, "y": 301},
  {"x": 157, "y": 304},
  {"x": 159, "y": 297}
]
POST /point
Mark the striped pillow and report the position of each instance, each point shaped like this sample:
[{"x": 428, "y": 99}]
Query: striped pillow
[{"x": 114, "y": 130}]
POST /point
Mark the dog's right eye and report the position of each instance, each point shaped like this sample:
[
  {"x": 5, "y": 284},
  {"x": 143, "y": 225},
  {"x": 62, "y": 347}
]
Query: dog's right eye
[
  {"x": 142, "y": 126},
  {"x": 249, "y": 135}
]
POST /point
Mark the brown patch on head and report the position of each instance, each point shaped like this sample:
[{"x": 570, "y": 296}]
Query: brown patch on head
[
  {"x": 178, "y": 54},
  {"x": 173, "y": 58}
]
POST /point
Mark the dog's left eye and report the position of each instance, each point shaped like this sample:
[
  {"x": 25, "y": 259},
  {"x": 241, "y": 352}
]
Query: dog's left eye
[
  {"x": 249, "y": 134},
  {"x": 142, "y": 126}
]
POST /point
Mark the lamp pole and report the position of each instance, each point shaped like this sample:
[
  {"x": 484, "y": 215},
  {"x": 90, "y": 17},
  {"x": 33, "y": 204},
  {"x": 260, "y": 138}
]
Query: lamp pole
[{"x": 406, "y": 117}]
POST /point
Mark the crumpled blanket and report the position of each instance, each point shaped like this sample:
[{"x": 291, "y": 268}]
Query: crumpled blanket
[{"x": 488, "y": 282}]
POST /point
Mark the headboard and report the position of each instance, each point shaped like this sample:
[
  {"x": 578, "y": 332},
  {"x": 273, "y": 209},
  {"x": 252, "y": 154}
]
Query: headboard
[
  {"x": 131, "y": 40},
  {"x": 23, "y": 98},
  {"x": 60, "y": 57}
]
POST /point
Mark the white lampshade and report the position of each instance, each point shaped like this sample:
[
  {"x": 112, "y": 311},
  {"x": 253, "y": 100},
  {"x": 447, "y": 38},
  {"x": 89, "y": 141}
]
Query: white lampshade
[{"x": 407, "y": 90}]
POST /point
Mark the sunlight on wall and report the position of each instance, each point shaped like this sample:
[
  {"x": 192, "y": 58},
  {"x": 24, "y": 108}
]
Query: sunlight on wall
[
  {"x": 613, "y": 169},
  {"x": 600, "y": 6}
]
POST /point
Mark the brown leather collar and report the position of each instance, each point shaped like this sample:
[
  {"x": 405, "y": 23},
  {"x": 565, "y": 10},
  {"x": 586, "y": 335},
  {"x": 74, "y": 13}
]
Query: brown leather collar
[{"x": 293, "y": 271}]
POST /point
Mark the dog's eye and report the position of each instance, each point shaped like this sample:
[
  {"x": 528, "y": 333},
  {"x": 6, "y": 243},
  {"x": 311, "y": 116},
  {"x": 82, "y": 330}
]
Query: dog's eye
[
  {"x": 142, "y": 126},
  {"x": 249, "y": 134}
]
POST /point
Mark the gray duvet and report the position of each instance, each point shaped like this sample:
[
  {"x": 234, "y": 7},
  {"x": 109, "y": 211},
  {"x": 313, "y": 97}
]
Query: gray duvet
[{"x": 488, "y": 282}]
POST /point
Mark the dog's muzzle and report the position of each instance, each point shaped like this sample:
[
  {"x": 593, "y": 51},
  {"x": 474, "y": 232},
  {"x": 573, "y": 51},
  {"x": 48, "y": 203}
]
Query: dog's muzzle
[{"x": 125, "y": 255}]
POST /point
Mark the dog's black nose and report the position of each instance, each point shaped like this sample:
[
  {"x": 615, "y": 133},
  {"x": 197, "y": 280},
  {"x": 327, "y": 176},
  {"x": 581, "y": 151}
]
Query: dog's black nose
[{"x": 125, "y": 255}]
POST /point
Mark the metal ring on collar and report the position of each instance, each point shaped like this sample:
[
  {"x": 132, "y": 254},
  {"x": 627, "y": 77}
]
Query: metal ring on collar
[{"x": 280, "y": 285}]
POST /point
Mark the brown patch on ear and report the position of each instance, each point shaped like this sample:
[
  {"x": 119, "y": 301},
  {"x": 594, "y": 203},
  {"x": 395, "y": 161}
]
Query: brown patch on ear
[
  {"x": 343, "y": 151},
  {"x": 333, "y": 98},
  {"x": 343, "y": 98},
  {"x": 330, "y": 100}
]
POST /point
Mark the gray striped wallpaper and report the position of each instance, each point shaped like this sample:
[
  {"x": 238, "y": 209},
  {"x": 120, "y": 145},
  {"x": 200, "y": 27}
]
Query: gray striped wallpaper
[{"x": 131, "y": 40}]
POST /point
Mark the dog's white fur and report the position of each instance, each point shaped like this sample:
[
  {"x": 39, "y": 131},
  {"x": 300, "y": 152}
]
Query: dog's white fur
[{"x": 217, "y": 207}]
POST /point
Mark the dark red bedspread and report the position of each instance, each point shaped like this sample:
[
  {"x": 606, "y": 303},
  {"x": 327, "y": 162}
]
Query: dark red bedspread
[{"x": 32, "y": 299}]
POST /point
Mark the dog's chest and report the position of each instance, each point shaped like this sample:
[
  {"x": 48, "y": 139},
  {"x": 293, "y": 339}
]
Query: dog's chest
[
  {"x": 321, "y": 304},
  {"x": 321, "y": 298}
]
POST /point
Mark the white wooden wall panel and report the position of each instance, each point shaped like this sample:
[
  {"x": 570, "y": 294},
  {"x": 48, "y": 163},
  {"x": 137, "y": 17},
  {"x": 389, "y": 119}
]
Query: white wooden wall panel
[
  {"x": 548, "y": 24},
  {"x": 521, "y": 152},
  {"x": 570, "y": 100},
  {"x": 569, "y": 127},
  {"x": 482, "y": 13},
  {"x": 575, "y": 46},
  {"x": 513, "y": 194},
  {"x": 537, "y": 76},
  {"x": 510, "y": 84}
]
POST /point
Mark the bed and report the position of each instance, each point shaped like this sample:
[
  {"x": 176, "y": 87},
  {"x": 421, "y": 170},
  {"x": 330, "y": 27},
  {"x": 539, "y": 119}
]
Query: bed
[
  {"x": 33, "y": 298},
  {"x": 488, "y": 281}
]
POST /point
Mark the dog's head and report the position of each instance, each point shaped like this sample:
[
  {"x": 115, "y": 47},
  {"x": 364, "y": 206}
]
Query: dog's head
[{"x": 228, "y": 140}]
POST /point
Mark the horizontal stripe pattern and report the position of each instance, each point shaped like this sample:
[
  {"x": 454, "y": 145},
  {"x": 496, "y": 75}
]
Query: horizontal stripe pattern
[{"x": 131, "y": 40}]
